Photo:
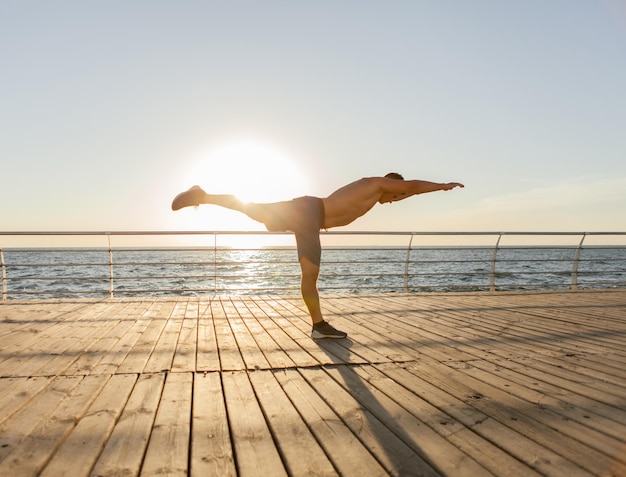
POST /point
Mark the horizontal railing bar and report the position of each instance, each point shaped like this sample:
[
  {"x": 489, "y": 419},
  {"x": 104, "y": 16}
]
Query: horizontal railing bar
[
  {"x": 323, "y": 232},
  {"x": 327, "y": 249}
]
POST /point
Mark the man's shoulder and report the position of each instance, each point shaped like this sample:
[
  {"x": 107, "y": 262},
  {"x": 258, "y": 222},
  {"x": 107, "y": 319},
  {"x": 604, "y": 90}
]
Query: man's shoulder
[
  {"x": 358, "y": 188},
  {"x": 372, "y": 180},
  {"x": 377, "y": 182},
  {"x": 367, "y": 183}
]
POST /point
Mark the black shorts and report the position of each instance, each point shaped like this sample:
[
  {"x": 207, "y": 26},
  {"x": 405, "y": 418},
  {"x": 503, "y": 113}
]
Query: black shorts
[{"x": 304, "y": 217}]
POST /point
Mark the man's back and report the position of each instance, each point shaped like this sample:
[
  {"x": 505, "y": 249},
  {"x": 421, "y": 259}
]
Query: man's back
[{"x": 352, "y": 201}]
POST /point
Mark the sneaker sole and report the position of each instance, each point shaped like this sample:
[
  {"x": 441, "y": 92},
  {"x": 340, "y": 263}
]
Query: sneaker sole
[
  {"x": 186, "y": 199},
  {"x": 318, "y": 336}
]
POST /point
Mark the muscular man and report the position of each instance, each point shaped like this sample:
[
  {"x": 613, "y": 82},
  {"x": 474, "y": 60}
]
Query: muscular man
[{"x": 306, "y": 216}]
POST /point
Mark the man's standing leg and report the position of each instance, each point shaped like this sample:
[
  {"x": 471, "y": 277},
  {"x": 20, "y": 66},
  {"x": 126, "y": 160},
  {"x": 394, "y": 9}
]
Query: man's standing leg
[
  {"x": 311, "y": 297},
  {"x": 308, "y": 287}
]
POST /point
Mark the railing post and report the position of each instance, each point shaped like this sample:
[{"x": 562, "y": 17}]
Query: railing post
[
  {"x": 406, "y": 265},
  {"x": 110, "y": 265},
  {"x": 576, "y": 261},
  {"x": 214, "y": 263},
  {"x": 492, "y": 275},
  {"x": 4, "y": 276}
]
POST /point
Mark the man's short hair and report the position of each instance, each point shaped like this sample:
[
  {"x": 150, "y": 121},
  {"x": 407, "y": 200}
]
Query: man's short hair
[{"x": 394, "y": 175}]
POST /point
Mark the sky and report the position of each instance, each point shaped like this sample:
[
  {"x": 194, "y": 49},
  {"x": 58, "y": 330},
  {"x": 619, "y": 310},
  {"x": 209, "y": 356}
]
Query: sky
[{"x": 109, "y": 109}]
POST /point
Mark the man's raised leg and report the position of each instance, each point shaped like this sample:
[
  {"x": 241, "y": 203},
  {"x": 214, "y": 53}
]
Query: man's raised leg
[{"x": 196, "y": 195}]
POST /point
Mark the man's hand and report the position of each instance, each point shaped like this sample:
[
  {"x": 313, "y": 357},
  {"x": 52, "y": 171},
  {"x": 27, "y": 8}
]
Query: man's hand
[{"x": 452, "y": 185}]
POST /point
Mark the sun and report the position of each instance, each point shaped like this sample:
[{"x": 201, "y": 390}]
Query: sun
[{"x": 252, "y": 170}]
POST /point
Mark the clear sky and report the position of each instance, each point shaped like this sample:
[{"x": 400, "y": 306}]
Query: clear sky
[{"x": 108, "y": 109}]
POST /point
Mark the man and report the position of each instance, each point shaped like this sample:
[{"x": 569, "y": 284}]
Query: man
[{"x": 306, "y": 216}]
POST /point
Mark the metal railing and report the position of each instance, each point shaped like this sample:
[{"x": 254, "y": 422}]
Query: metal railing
[{"x": 89, "y": 264}]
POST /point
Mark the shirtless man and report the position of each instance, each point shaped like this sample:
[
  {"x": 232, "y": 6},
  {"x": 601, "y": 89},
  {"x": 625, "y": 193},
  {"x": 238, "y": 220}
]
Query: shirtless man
[{"x": 306, "y": 216}]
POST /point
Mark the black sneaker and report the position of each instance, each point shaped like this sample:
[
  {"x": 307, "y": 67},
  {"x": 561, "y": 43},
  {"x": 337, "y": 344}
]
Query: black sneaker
[
  {"x": 192, "y": 197},
  {"x": 324, "y": 330}
]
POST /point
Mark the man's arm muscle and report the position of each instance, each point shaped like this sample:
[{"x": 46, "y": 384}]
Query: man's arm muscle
[{"x": 414, "y": 187}]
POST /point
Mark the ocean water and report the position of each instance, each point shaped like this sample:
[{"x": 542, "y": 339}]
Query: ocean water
[{"x": 94, "y": 273}]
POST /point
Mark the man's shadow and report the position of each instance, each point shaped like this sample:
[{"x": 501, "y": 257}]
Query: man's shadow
[{"x": 395, "y": 448}]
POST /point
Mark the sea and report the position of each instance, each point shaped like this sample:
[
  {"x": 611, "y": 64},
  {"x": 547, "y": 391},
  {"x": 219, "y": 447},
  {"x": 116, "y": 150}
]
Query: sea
[{"x": 94, "y": 273}]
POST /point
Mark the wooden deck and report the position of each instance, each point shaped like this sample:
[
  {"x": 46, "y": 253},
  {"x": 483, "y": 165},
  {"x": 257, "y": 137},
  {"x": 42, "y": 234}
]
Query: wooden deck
[{"x": 507, "y": 384}]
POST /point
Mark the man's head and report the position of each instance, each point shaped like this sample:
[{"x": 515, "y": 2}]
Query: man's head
[{"x": 389, "y": 197}]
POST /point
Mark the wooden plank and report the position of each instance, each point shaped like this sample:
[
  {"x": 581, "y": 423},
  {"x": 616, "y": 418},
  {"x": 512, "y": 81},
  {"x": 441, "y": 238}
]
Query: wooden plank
[
  {"x": 444, "y": 355},
  {"x": 562, "y": 317},
  {"x": 229, "y": 354},
  {"x": 460, "y": 355},
  {"x": 112, "y": 359},
  {"x": 157, "y": 313},
  {"x": 248, "y": 347},
  {"x": 579, "y": 431},
  {"x": 399, "y": 453},
  {"x": 446, "y": 414},
  {"x": 446, "y": 457},
  {"x": 608, "y": 419},
  {"x": 211, "y": 448},
  {"x": 51, "y": 345},
  {"x": 458, "y": 403},
  {"x": 437, "y": 332},
  {"x": 90, "y": 352},
  {"x": 34, "y": 450},
  {"x": 503, "y": 364},
  {"x": 86, "y": 352},
  {"x": 22, "y": 423},
  {"x": 569, "y": 339},
  {"x": 22, "y": 321},
  {"x": 561, "y": 455},
  {"x": 548, "y": 356},
  {"x": 185, "y": 352},
  {"x": 207, "y": 357},
  {"x": 347, "y": 453},
  {"x": 162, "y": 355},
  {"x": 291, "y": 347},
  {"x": 168, "y": 449},
  {"x": 289, "y": 319},
  {"x": 300, "y": 451},
  {"x": 23, "y": 324},
  {"x": 273, "y": 355},
  {"x": 254, "y": 447},
  {"x": 376, "y": 345},
  {"x": 124, "y": 451},
  {"x": 79, "y": 452},
  {"x": 17, "y": 392},
  {"x": 571, "y": 381}
]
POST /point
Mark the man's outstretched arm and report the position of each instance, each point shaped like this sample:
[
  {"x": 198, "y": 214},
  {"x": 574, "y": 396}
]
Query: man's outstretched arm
[
  {"x": 407, "y": 188},
  {"x": 421, "y": 187}
]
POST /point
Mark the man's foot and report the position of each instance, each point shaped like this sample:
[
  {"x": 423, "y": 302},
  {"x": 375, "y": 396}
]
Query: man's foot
[
  {"x": 193, "y": 196},
  {"x": 324, "y": 330}
]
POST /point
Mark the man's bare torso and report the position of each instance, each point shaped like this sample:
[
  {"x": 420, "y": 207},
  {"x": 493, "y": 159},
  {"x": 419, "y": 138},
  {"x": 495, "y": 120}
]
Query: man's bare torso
[{"x": 352, "y": 201}]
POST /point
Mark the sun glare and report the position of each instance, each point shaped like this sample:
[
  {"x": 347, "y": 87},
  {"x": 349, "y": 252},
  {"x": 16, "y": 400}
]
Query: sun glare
[{"x": 253, "y": 171}]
